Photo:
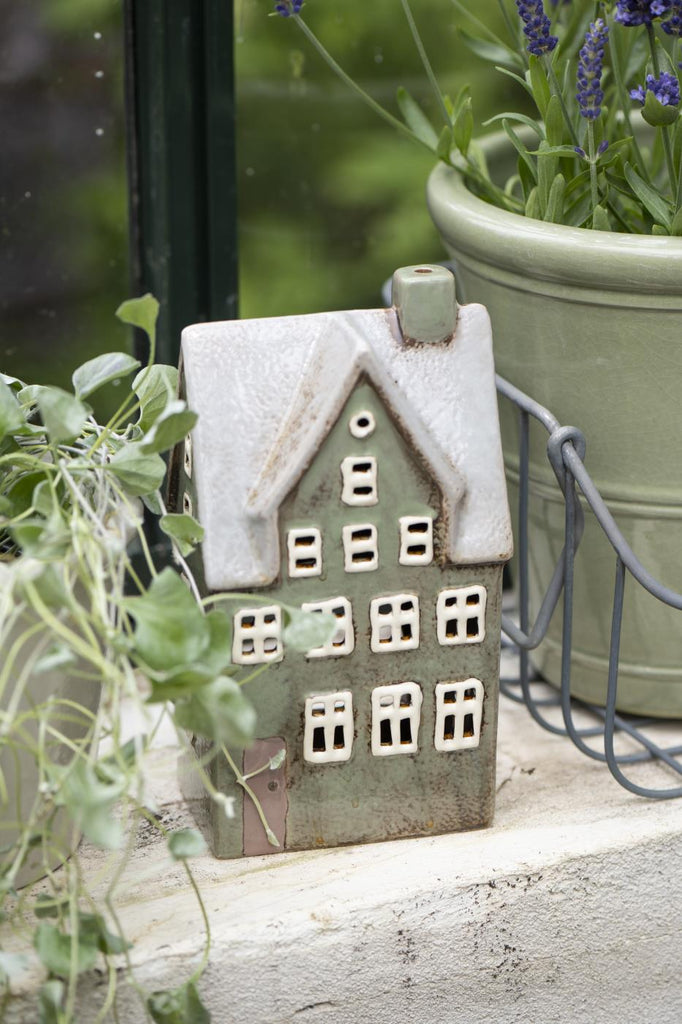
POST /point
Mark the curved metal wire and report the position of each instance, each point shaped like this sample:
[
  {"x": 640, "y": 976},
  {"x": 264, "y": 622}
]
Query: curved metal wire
[{"x": 565, "y": 451}]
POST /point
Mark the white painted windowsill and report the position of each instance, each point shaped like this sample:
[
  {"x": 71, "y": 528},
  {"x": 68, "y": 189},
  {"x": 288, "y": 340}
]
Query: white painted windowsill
[{"x": 567, "y": 910}]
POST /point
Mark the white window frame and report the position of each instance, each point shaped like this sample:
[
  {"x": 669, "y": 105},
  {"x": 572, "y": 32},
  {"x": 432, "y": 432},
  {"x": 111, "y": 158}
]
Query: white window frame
[
  {"x": 410, "y": 537},
  {"x": 460, "y": 606},
  {"x": 187, "y": 506},
  {"x": 264, "y": 633},
  {"x": 188, "y": 456},
  {"x": 387, "y": 707},
  {"x": 354, "y": 479},
  {"x": 299, "y": 552},
  {"x": 328, "y": 711},
  {"x": 356, "y": 550},
  {"x": 343, "y": 640},
  {"x": 387, "y": 625},
  {"x": 469, "y": 695}
]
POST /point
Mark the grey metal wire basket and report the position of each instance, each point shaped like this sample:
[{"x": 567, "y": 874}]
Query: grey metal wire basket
[{"x": 595, "y": 731}]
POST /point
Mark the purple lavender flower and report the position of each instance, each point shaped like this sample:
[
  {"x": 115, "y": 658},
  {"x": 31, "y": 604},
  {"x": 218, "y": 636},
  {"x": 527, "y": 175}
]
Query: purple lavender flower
[
  {"x": 536, "y": 27},
  {"x": 641, "y": 12},
  {"x": 666, "y": 89},
  {"x": 673, "y": 26},
  {"x": 590, "y": 94},
  {"x": 288, "y": 7}
]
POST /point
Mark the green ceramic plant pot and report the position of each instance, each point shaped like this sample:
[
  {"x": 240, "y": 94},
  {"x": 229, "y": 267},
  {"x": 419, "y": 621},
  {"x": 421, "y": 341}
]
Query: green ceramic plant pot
[{"x": 590, "y": 325}]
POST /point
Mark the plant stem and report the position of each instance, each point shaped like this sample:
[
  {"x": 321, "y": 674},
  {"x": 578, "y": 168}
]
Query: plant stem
[
  {"x": 624, "y": 98},
  {"x": 347, "y": 80},
  {"x": 426, "y": 63},
  {"x": 592, "y": 157},
  {"x": 665, "y": 132},
  {"x": 241, "y": 781}
]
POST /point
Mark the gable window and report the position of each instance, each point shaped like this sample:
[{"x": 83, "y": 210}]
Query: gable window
[
  {"x": 459, "y": 709},
  {"x": 395, "y": 623},
  {"x": 188, "y": 455},
  {"x": 328, "y": 732},
  {"x": 362, "y": 424},
  {"x": 416, "y": 540},
  {"x": 343, "y": 640},
  {"x": 396, "y": 710},
  {"x": 460, "y": 616},
  {"x": 359, "y": 476},
  {"x": 305, "y": 552},
  {"x": 257, "y": 636},
  {"x": 360, "y": 548}
]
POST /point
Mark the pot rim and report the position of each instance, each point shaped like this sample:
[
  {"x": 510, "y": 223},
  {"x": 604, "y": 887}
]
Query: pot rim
[{"x": 552, "y": 252}]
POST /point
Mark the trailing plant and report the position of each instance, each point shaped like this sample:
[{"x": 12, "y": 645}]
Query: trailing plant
[
  {"x": 73, "y": 600},
  {"x": 591, "y": 74}
]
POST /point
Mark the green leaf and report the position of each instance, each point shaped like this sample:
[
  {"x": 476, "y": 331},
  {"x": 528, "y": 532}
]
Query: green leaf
[
  {"x": 171, "y": 426},
  {"x": 57, "y": 953},
  {"x": 278, "y": 760},
  {"x": 539, "y": 84},
  {"x": 170, "y": 628},
  {"x": 600, "y": 219},
  {"x": 463, "y": 127},
  {"x": 186, "y": 842},
  {"x": 416, "y": 120},
  {"x": 521, "y": 150},
  {"x": 63, "y": 414},
  {"x": 180, "y": 1006},
  {"x": 91, "y": 802},
  {"x": 155, "y": 386},
  {"x": 533, "y": 205},
  {"x": 656, "y": 113},
  {"x": 93, "y": 928},
  {"x": 649, "y": 197},
  {"x": 11, "y": 416},
  {"x": 555, "y": 203},
  {"x": 101, "y": 370},
  {"x": 219, "y": 711},
  {"x": 305, "y": 630},
  {"x": 445, "y": 144},
  {"x": 676, "y": 227},
  {"x": 554, "y": 122},
  {"x": 658, "y": 229},
  {"x": 181, "y": 680},
  {"x": 142, "y": 312},
  {"x": 548, "y": 165},
  {"x": 184, "y": 529},
  {"x": 51, "y": 999},
  {"x": 139, "y": 472},
  {"x": 493, "y": 52},
  {"x": 520, "y": 118},
  {"x": 49, "y": 906}
]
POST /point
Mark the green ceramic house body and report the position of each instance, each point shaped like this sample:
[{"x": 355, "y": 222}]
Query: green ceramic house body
[{"x": 389, "y": 730}]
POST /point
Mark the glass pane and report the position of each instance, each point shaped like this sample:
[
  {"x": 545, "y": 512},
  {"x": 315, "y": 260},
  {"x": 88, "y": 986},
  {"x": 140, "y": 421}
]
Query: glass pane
[
  {"x": 63, "y": 204},
  {"x": 331, "y": 200}
]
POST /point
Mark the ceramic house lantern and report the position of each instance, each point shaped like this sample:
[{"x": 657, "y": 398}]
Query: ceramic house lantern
[{"x": 350, "y": 463}]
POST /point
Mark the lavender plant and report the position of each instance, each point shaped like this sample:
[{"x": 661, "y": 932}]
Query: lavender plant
[{"x": 602, "y": 145}]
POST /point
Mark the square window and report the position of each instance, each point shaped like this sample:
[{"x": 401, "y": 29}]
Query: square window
[
  {"x": 459, "y": 711},
  {"x": 343, "y": 640},
  {"x": 328, "y": 731},
  {"x": 360, "y": 549},
  {"x": 359, "y": 479},
  {"x": 460, "y": 616},
  {"x": 304, "y": 547},
  {"x": 395, "y": 623},
  {"x": 257, "y": 636},
  {"x": 416, "y": 540},
  {"x": 396, "y": 711}
]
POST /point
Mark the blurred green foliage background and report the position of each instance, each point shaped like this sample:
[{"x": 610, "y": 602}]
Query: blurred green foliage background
[{"x": 330, "y": 199}]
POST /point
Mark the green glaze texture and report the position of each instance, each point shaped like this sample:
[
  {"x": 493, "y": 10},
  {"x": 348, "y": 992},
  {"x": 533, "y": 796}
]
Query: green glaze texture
[{"x": 590, "y": 325}]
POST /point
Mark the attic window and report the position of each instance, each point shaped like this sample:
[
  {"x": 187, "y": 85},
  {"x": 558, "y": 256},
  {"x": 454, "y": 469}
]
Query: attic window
[
  {"x": 396, "y": 711},
  {"x": 359, "y": 475},
  {"x": 188, "y": 456},
  {"x": 360, "y": 549},
  {"x": 328, "y": 732},
  {"x": 395, "y": 623},
  {"x": 460, "y": 616},
  {"x": 362, "y": 424},
  {"x": 459, "y": 710},
  {"x": 416, "y": 540},
  {"x": 257, "y": 636},
  {"x": 343, "y": 640},
  {"x": 305, "y": 552}
]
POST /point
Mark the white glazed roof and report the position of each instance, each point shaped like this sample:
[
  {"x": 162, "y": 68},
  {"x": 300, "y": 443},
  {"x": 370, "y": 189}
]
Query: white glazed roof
[{"x": 268, "y": 391}]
